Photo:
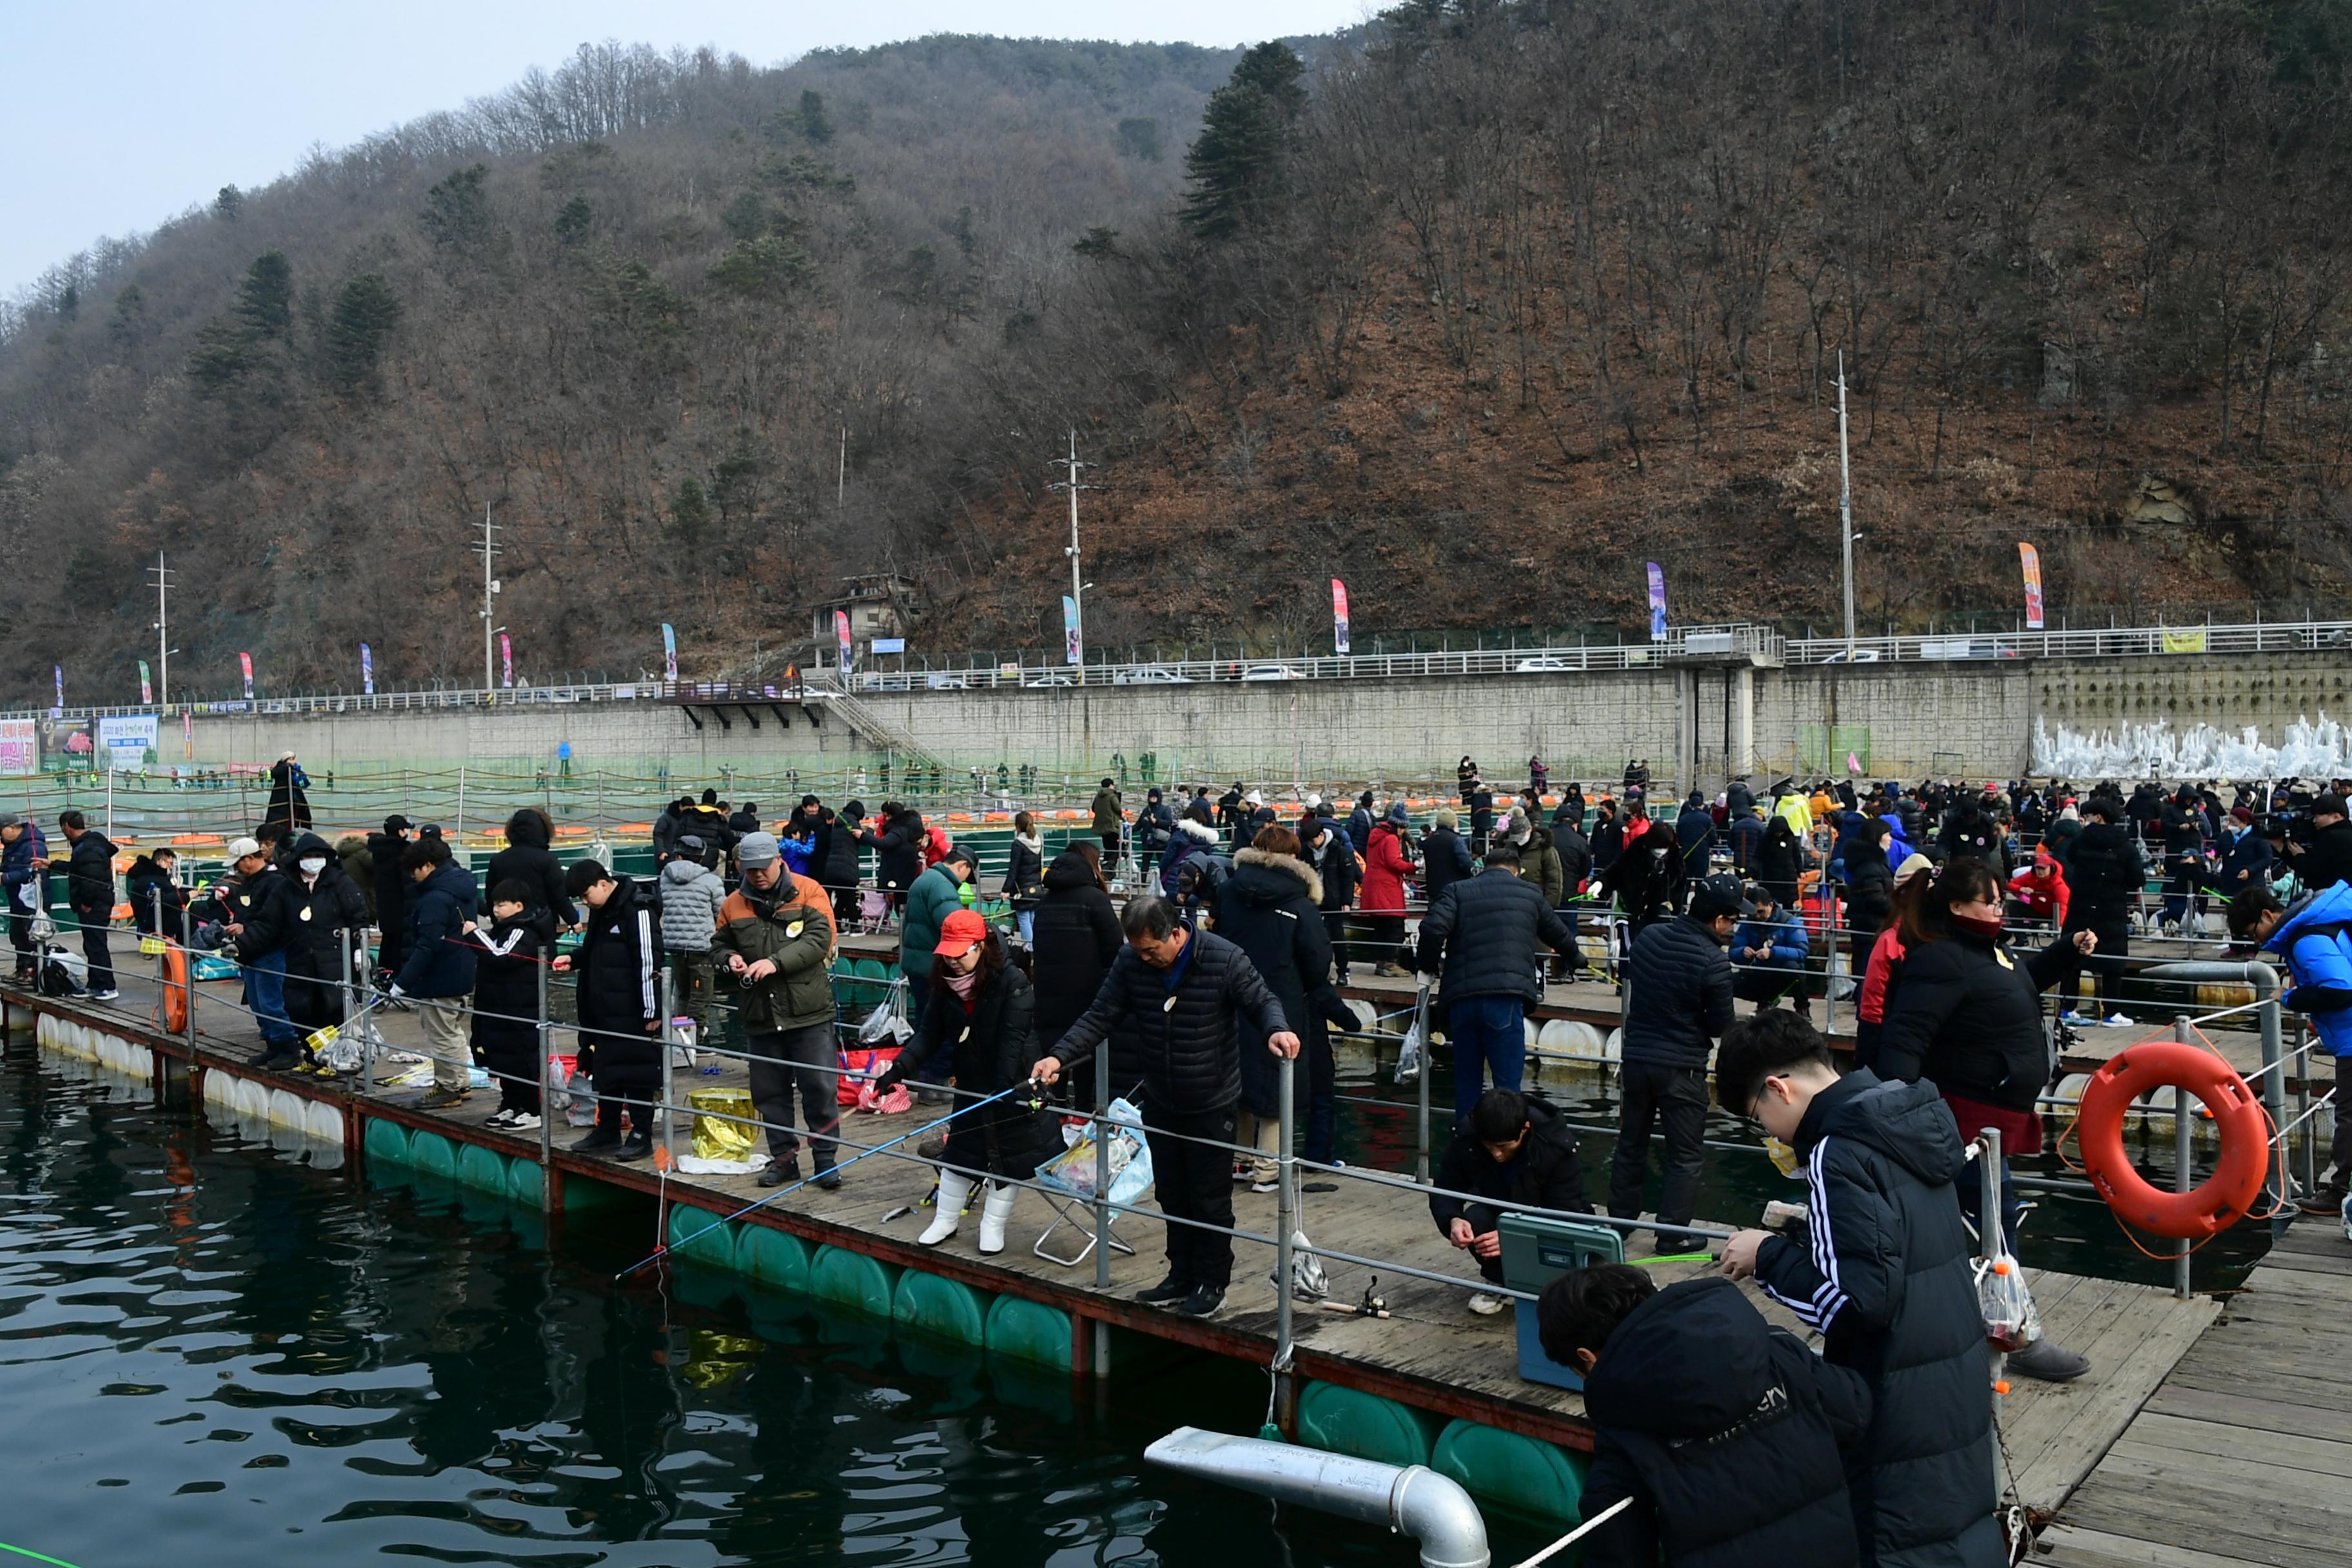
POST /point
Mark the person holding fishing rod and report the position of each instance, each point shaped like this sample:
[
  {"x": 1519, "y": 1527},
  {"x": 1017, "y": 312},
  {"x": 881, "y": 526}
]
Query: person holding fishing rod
[{"x": 1180, "y": 995}]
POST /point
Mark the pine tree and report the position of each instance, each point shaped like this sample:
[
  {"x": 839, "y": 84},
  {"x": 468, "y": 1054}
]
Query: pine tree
[
  {"x": 265, "y": 300},
  {"x": 1236, "y": 165},
  {"x": 813, "y": 123},
  {"x": 365, "y": 313}
]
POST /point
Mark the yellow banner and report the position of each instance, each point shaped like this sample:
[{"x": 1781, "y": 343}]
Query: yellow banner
[{"x": 2184, "y": 642}]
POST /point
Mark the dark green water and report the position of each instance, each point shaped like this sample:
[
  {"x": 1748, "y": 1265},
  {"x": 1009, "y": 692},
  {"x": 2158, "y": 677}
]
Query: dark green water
[{"x": 212, "y": 1353}]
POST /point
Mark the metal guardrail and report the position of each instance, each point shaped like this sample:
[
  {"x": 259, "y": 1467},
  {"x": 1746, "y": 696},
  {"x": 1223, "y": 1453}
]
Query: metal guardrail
[{"x": 1684, "y": 645}]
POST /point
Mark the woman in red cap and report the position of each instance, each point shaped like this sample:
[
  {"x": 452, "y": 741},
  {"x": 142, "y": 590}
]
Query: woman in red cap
[{"x": 983, "y": 1014}]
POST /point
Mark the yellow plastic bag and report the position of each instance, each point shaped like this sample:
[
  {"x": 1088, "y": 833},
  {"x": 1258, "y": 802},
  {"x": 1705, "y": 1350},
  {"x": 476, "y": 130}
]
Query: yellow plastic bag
[{"x": 715, "y": 1136}]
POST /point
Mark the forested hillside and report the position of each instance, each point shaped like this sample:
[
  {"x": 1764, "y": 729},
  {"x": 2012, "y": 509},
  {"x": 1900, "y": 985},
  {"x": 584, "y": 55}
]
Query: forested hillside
[{"x": 1479, "y": 308}]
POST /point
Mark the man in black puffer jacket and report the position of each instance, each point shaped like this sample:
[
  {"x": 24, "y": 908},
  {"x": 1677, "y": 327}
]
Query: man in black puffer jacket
[
  {"x": 1887, "y": 1280},
  {"x": 619, "y": 967},
  {"x": 1678, "y": 999},
  {"x": 1488, "y": 931},
  {"x": 385, "y": 850},
  {"x": 2104, "y": 872},
  {"x": 1731, "y": 1436},
  {"x": 1514, "y": 1152},
  {"x": 898, "y": 850},
  {"x": 1180, "y": 996},
  {"x": 835, "y": 860}
]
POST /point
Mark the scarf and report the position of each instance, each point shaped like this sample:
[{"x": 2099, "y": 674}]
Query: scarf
[{"x": 965, "y": 987}]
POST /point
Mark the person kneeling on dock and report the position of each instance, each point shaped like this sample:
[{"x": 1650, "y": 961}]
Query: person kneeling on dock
[
  {"x": 775, "y": 942},
  {"x": 1887, "y": 1281},
  {"x": 621, "y": 1045},
  {"x": 1514, "y": 1152},
  {"x": 1726, "y": 1435},
  {"x": 983, "y": 1012},
  {"x": 1179, "y": 994}
]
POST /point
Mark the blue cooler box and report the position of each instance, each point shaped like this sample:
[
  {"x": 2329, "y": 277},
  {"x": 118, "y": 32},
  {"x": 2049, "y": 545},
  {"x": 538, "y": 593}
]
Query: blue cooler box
[{"x": 1538, "y": 1250}]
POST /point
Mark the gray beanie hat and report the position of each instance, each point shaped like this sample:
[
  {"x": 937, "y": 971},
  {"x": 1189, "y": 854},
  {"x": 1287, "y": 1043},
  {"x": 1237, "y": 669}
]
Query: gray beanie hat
[{"x": 756, "y": 850}]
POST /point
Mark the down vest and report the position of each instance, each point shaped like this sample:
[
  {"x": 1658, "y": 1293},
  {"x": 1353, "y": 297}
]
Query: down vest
[
  {"x": 1678, "y": 980},
  {"x": 1186, "y": 1035},
  {"x": 1888, "y": 1283},
  {"x": 1487, "y": 929},
  {"x": 691, "y": 897}
]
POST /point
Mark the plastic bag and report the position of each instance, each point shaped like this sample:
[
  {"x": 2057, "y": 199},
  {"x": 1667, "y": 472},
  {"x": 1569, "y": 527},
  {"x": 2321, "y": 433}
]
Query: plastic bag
[
  {"x": 1072, "y": 1170},
  {"x": 2011, "y": 1320},
  {"x": 886, "y": 1024},
  {"x": 1409, "y": 1055},
  {"x": 724, "y": 1123},
  {"x": 898, "y": 1102}
]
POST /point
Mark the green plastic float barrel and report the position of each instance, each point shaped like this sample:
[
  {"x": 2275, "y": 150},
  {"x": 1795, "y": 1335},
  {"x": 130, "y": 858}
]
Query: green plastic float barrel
[
  {"x": 943, "y": 1307},
  {"x": 700, "y": 1236},
  {"x": 482, "y": 1169},
  {"x": 387, "y": 1141},
  {"x": 853, "y": 1279},
  {"x": 775, "y": 1257},
  {"x": 432, "y": 1154},
  {"x": 1030, "y": 1331},
  {"x": 1364, "y": 1425},
  {"x": 526, "y": 1183},
  {"x": 1535, "y": 1480}
]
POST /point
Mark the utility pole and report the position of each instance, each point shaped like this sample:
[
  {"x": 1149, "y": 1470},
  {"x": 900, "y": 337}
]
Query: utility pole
[
  {"x": 490, "y": 549},
  {"x": 1845, "y": 508},
  {"x": 162, "y": 629},
  {"x": 1077, "y": 589},
  {"x": 841, "y": 474}
]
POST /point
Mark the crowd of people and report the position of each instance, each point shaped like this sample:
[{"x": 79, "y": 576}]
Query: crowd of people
[{"x": 1949, "y": 911}]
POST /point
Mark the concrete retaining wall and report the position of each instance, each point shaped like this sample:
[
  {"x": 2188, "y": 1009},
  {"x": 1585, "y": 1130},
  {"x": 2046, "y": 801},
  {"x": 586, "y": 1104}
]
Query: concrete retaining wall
[{"x": 1894, "y": 720}]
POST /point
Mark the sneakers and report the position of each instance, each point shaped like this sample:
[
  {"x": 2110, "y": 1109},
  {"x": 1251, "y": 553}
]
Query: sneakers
[
  {"x": 444, "y": 1099},
  {"x": 523, "y": 1122},
  {"x": 1268, "y": 1185},
  {"x": 595, "y": 1143},
  {"x": 1202, "y": 1301},
  {"x": 2074, "y": 1018},
  {"x": 499, "y": 1119},
  {"x": 635, "y": 1148},
  {"x": 2048, "y": 1361},
  {"x": 2120, "y": 1020},
  {"x": 1486, "y": 1304},
  {"x": 108, "y": 994},
  {"x": 1169, "y": 1289}
]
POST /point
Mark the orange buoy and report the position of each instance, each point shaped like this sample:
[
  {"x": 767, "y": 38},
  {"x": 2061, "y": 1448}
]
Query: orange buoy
[
  {"x": 2220, "y": 1201},
  {"x": 175, "y": 989}
]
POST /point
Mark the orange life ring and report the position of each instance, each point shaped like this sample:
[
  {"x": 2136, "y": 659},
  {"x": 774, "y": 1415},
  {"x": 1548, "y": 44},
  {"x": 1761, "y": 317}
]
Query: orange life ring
[
  {"x": 174, "y": 991},
  {"x": 2224, "y": 1197}
]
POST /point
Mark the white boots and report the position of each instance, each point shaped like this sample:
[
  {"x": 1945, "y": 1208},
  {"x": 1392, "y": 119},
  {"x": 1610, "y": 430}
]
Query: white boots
[
  {"x": 954, "y": 1190},
  {"x": 993, "y": 1216}
]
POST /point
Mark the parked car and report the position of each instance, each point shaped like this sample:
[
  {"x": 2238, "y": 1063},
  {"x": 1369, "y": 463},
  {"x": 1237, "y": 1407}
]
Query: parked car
[
  {"x": 1272, "y": 672},
  {"x": 947, "y": 683},
  {"x": 1855, "y": 656},
  {"x": 1149, "y": 675},
  {"x": 1049, "y": 680},
  {"x": 1541, "y": 663}
]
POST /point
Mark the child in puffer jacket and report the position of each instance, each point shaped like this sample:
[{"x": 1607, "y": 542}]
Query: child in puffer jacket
[{"x": 691, "y": 893}]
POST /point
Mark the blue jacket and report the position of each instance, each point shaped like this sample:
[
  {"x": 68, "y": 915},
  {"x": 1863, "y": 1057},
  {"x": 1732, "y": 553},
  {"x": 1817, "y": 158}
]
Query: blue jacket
[
  {"x": 1784, "y": 934},
  {"x": 1359, "y": 828},
  {"x": 17, "y": 862},
  {"x": 2316, "y": 941},
  {"x": 2248, "y": 851},
  {"x": 440, "y": 961}
]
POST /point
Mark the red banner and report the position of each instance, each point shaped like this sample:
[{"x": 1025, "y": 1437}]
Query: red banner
[{"x": 1339, "y": 616}]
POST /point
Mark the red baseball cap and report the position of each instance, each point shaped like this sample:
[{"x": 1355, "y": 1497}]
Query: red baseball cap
[{"x": 962, "y": 930}]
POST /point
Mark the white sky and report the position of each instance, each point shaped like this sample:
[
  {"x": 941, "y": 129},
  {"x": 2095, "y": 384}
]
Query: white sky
[{"x": 115, "y": 117}]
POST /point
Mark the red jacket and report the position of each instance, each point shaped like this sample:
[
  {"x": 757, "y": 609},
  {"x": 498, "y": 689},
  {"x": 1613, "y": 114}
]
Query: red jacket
[
  {"x": 2043, "y": 886},
  {"x": 1384, "y": 871}
]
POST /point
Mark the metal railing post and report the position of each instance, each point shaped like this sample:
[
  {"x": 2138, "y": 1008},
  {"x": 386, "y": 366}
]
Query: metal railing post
[
  {"x": 1286, "y": 1204},
  {"x": 669, "y": 1046},
  {"x": 1421, "y": 1118},
  {"x": 1988, "y": 1190},
  {"x": 1102, "y": 1165},
  {"x": 546, "y": 1095},
  {"x": 2266, "y": 993},
  {"x": 2181, "y": 1159}
]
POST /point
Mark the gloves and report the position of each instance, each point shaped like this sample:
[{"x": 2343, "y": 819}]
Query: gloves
[{"x": 892, "y": 1076}]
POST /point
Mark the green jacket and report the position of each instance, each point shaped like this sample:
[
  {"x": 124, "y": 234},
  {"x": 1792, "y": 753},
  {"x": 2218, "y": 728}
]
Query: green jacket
[
  {"x": 799, "y": 995},
  {"x": 1107, "y": 815},
  {"x": 935, "y": 896}
]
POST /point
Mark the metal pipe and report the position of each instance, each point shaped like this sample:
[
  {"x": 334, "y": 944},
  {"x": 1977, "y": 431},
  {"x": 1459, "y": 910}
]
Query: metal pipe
[
  {"x": 2265, "y": 982},
  {"x": 1989, "y": 1192},
  {"x": 1415, "y": 1500},
  {"x": 1285, "y": 1221},
  {"x": 669, "y": 1049},
  {"x": 1103, "y": 1136},
  {"x": 1420, "y": 1121},
  {"x": 546, "y": 1097},
  {"x": 2180, "y": 1158}
]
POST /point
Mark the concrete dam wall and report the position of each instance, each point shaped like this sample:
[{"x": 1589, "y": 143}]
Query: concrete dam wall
[{"x": 1691, "y": 723}]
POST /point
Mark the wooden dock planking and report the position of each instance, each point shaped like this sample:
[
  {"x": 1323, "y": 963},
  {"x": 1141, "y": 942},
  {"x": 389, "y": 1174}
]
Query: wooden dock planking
[
  {"x": 2244, "y": 1446},
  {"x": 1435, "y": 1354}
]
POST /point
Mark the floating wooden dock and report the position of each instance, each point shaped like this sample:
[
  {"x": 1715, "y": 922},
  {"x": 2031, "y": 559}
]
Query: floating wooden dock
[
  {"x": 1406, "y": 1389},
  {"x": 2244, "y": 1454}
]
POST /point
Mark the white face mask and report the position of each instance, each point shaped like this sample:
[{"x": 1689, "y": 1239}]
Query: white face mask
[{"x": 312, "y": 867}]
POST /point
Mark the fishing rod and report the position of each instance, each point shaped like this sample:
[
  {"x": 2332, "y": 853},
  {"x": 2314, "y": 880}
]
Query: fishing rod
[{"x": 663, "y": 1250}]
